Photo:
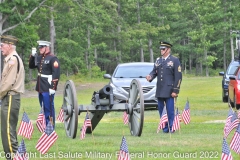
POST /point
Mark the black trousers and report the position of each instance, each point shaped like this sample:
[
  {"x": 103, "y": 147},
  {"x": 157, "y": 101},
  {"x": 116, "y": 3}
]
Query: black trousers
[{"x": 9, "y": 119}]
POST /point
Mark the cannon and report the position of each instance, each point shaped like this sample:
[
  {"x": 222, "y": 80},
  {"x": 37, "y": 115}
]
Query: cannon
[{"x": 103, "y": 102}]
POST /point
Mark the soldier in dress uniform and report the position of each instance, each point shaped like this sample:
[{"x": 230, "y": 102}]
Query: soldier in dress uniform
[
  {"x": 11, "y": 86},
  {"x": 167, "y": 69},
  {"x": 48, "y": 76}
]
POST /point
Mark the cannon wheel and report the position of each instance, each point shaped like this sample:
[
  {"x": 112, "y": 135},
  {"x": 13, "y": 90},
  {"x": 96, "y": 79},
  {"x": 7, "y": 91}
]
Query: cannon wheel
[
  {"x": 70, "y": 108},
  {"x": 136, "y": 108}
]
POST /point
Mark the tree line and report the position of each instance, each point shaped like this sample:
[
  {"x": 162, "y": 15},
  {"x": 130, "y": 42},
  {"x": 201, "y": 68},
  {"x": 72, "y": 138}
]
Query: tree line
[{"x": 90, "y": 36}]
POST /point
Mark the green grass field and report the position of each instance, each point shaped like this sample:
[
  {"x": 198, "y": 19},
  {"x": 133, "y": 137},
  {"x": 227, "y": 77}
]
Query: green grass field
[{"x": 201, "y": 139}]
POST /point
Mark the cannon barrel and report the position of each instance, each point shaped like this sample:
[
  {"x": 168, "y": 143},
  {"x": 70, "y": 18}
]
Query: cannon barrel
[{"x": 105, "y": 92}]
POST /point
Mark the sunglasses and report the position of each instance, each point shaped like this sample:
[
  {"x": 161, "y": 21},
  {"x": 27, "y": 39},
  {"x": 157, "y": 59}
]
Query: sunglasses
[
  {"x": 41, "y": 46},
  {"x": 163, "y": 49}
]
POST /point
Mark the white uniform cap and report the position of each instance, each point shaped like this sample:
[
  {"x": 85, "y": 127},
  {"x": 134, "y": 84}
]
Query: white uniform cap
[{"x": 43, "y": 43}]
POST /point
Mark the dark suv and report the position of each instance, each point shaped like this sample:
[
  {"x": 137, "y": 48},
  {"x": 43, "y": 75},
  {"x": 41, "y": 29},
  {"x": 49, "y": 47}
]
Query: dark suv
[{"x": 225, "y": 81}]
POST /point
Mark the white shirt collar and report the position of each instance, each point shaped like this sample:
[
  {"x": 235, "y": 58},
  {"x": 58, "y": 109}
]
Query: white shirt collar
[{"x": 166, "y": 57}]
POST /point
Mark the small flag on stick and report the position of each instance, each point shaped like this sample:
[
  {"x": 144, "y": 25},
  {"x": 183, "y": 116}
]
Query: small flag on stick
[
  {"x": 41, "y": 121},
  {"x": 186, "y": 113},
  {"x": 125, "y": 118},
  {"x": 227, "y": 123},
  {"x": 123, "y": 153},
  {"x": 226, "y": 154},
  {"x": 47, "y": 139},
  {"x": 21, "y": 152},
  {"x": 163, "y": 120},
  {"x": 87, "y": 123},
  {"x": 26, "y": 127},
  {"x": 235, "y": 142},
  {"x": 176, "y": 121},
  {"x": 60, "y": 115},
  {"x": 233, "y": 123}
]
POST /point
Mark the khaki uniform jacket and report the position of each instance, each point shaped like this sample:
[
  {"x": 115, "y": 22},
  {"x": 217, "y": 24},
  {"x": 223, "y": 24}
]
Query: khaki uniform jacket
[{"x": 13, "y": 75}]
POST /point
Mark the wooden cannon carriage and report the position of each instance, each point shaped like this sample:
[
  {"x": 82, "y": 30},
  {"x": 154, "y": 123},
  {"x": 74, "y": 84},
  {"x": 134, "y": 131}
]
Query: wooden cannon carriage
[{"x": 103, "y": 102}]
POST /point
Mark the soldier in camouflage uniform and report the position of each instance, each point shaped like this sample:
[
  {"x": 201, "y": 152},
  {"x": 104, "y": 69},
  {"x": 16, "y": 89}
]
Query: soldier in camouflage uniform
[
  {"x": 167, "y": 69},
  {"x": 48, "y": 76}
]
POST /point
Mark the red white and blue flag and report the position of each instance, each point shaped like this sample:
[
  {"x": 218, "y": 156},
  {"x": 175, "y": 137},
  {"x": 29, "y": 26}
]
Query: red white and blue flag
[
  {"x": 235, "y": 142},
  {"x": 87, "y": 123},
  {"x": 60, "y": 115},
  {"x": 176, "y": 121},
  {"x": 232, "y": 123},
  {"x": 226, "y": 154},
  {"x": 186, "y": 113},
  {"x": 26, "y": 127},
  {"x": 41, "y": 121},
  {"x": 163, "y": 120},
  {"x": 125, "y": 118},
  {"x": 21, "y": 152},
  {"x": 123, "y": 153},
  {"x": 47, "y": 139},
  {"x": 227, "y": 123}
]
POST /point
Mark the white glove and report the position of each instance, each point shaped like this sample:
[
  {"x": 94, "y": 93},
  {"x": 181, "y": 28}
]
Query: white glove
[
  {"x": 34, "y": 51},
  {"x": 51, "y": 91}
]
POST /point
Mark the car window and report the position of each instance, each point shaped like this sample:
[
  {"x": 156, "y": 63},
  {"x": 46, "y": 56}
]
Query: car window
[
  {"x": 132, "y": 71},
  {"x": 231, "y": 70}
]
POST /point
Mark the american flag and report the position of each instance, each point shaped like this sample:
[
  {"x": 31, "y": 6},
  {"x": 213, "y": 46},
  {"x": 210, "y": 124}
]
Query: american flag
[
  {"x": 235, "y": 142},
  {"x": 233, "y": 123},
  {"x": 239, "y": 114},
  {"x": 226, "y": 154},
  {"x": 186, "y": 114},
  {"x": 125, "y": 118},
  {"x": 163, "y": 120},
  {"x": 21, "y": 152},
  {"x": 176, "y": 122},
  {"x": 230, "y": 114},
  {"x": 26, "y": 127},
  {"x": 180, "y": 117},
  {"x": 87, "y": 123},
  {"x": 123, "y": 153},
  {"x": 47, "y": 139},
  {"x": 60, "y": 116},
  {"x": 41, "y": 121}
]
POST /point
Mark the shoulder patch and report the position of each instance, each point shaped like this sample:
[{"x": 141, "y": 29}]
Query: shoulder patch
[
  {"x": 11, "y": 62},
  {"x": 55, "y": 64},
  {"x": 179, "y": 68}
]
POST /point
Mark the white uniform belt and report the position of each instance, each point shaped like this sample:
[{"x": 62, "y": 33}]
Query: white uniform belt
[{"x": 44, "y": 75}]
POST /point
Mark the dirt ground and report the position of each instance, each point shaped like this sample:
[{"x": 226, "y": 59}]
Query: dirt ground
[{"x": 30, "y": 91}]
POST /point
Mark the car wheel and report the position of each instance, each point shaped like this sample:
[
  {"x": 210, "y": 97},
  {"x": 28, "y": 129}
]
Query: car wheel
[
  {"x": 231, "y": 103},
  {"x": 224, "y": 98}
]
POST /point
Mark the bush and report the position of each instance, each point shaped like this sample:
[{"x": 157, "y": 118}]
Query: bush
[{"x": 96, "y": 72}]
